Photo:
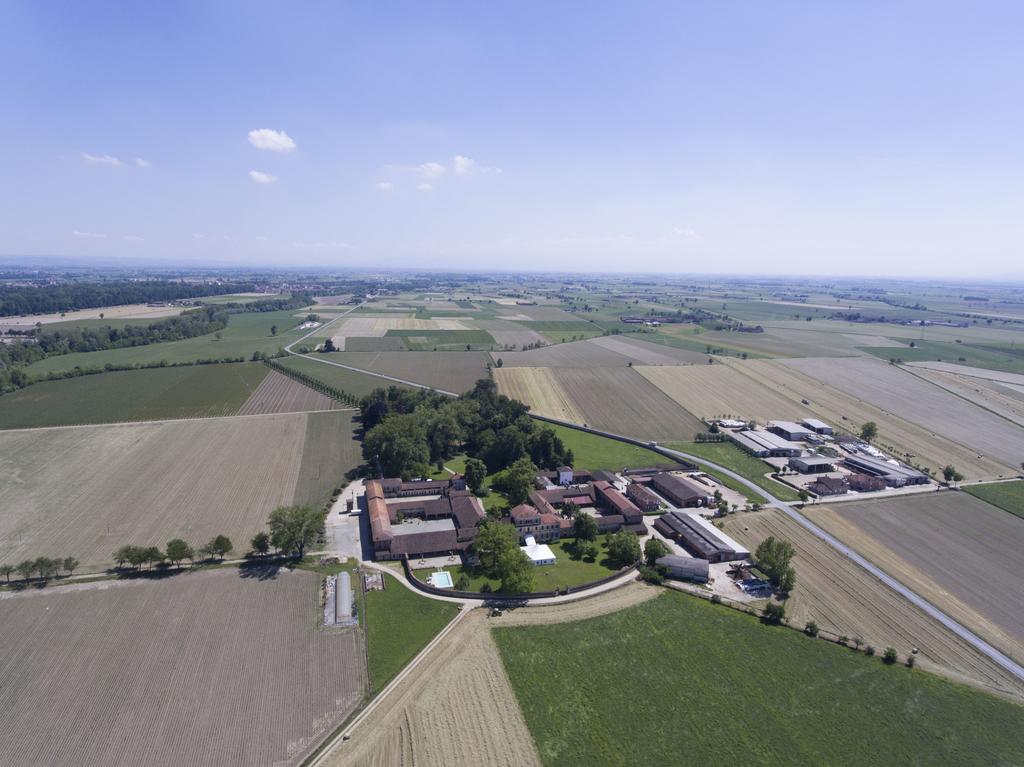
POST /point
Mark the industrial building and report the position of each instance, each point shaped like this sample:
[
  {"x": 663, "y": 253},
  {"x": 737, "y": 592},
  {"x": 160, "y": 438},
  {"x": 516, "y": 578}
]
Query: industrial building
[
  {"x": 818, "y": 427},
  {"x": 793, "y": 432},
  {"x": 765, "y": 444},
  {"x": 812, "y": 464},
  {"x": 684, "y": 568},
  {"x": 699, "y": 537},
  {"x": 680, "y": 492},
  {"x": 893, "y": 473},
  {"x": 638, "y": 493}
]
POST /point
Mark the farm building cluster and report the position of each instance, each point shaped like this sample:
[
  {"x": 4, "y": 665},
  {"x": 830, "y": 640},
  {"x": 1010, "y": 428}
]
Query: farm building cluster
[
  {"x": 819, "y": 461},
  {"x": 425, "y": 518}
]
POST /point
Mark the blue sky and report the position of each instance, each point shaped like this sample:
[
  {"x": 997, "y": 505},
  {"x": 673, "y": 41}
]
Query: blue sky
[{"x": 876, "y": 138}]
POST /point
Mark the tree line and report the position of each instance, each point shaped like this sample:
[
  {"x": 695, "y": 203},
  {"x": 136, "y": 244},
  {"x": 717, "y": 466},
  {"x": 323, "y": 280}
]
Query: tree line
[
  {"x": 313, "y": 383},
  {"x": 42, "y": 567},
  {"x": 69, "y": 297},
  {"x": 407, "y": 431}
]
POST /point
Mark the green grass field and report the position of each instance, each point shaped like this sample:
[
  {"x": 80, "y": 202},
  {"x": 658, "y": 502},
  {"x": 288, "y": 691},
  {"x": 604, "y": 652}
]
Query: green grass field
[
  {"x": 399, "y": 623},
  {"x": 245, "y": 334},
  {"x": 677, "y": 680},
  {"x": 565, "y": 572},
  {"x": 591, "y": 452},
  {"x": 1008, "y": 496},
  {"x": 991, "y": 357},
  {"x": 731, "y": 457},
  {"x": 133, "y": 395},
  {"x": 443, "y": 340}
]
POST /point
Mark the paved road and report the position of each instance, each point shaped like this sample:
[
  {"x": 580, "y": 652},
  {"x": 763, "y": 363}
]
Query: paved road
[{"x": 961, "y": 631}]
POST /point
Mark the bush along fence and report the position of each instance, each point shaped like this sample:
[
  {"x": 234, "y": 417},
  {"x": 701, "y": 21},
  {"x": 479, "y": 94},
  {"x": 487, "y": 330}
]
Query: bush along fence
[
  {"x": 497, "y": 596},
  {"x": 313, "y": 383}
]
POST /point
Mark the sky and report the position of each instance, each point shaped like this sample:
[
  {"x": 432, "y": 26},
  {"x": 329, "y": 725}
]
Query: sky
[{"x": 742, "y": 137}]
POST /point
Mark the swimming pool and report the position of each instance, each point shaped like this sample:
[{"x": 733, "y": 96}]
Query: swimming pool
[{"x": 442, "y": 579}]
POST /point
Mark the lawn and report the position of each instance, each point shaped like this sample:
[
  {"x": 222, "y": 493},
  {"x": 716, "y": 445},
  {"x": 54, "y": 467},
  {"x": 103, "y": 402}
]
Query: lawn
[
  {"x": 133, "y": 395},
  {"x": 1008, "y": 496},
  {"x": 399, "y": 623},
  {"x": 679, "y": 680},
  {"x": 592, "y": 452},
  {"x": 565, "y": 572},
  {"x": 244, "y": 334},
  {"x": 731, "y": 457}
]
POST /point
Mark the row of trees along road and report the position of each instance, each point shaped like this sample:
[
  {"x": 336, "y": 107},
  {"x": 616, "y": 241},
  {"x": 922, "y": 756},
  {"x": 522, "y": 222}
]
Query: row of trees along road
[{"x": 42, "y": 567}]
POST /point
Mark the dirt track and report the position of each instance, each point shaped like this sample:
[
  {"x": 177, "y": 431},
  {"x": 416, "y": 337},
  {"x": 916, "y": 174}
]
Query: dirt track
[
  {"x": 843, "y": 598},
  {"x": 456, "y": 707}
]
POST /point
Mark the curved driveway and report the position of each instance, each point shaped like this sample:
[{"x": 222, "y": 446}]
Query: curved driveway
[{"x": 961, "y": 631}]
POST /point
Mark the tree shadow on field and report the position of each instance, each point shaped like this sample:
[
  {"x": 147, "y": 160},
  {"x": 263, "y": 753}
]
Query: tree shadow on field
[
  {"x": 259, "y": 571},
  {"x": 158, "y": 573}
]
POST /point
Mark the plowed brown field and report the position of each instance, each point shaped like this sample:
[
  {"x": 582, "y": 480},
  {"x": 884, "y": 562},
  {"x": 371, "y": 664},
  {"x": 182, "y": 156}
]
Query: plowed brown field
[
  {"x": 85, "y": 491},
  {"x": 843, "y": 598},
  {"x": 201, "y": 669},
  {"x": 278, "y": 393}
]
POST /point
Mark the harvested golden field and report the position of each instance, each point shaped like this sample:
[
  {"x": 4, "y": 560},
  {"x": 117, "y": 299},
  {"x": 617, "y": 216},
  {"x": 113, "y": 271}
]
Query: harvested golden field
[
  {"x": 897, "y": 391},
  {"x": 844, "y": 599},
  {"x": 603, "y": 351},
  {"x": 618, "y": 400},
  {"x": 456, "y": 706},
  {"x": 962, "y": 554},
  {"x": 708, "y": 391},
  {"x": 278, "y": 393},
  {"x": 205, "y": 668},
  {"x": 377, "y": 327},
  {"x": 539, "y": 389},
  {"x": 451, "y": 371},
  {"x": 1015, "y": 379},
  {"x": 900, "y": 436},
  {"x": 85, "y": 491}
]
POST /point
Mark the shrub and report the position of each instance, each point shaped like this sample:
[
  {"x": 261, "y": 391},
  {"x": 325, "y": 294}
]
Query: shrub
[
  {"x": 870, "y": 650},
  {"x": 889, "y": 656},
  {"x": 774, "y": 613},
  {"x": 910, "y": 661},
  {"x": 811, "y": 629}
]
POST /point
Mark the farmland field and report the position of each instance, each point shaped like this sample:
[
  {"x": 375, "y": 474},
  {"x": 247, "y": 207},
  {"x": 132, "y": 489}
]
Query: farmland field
[
  {"x": 133, "y": 395},
  {"x": 618, "y": 400},
  {"x": 1008, "y": 496},
  {"x": 991, "y": 375},
  {"x": 456, "y": 707},
  {"x": 899, "y": 392},
  {"x": 843, "y": 598},
  {"x": 244, "y": 334},
  {"x": 452, "y": 371},
  {"x": 592, "y": 452},
  {"x": 898, "y": 435},
  {"x": 399, "y": 623},
  {"x": 729, "y": 666},
  {"x": 349, "y": 381},
  {"x": 157, "y": 480},
  {"x": 959, "y": 552},
  {"x": 604, "y": 351},
  {"x": 203, "y": 668},
  {"x": 710, "y": 391},
  {"x": 278, "y": 393},
  {"x": 1001, "y": 398}
]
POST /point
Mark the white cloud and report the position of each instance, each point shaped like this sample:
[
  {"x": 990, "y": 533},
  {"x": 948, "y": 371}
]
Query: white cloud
[
  {"x": 101, "y": 159},
  {"x": 385, "y": 186},
  {"x": 271, "y": 140},
  {"x": 466, "y": 166},
  {"x": 141, "y": 163},
  {"x": 89, "y": 235},
  {"x": 425, "y": 187},
  {"x": 132, "y": 238},
  {"x": 197, "y": 236},
  {"x": 429, "y": 170},
  {"x": 262, "y": 178}
]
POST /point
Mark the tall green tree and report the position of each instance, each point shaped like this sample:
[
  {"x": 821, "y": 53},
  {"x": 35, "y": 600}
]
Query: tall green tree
[
  {"x": 655, "y": 549},
  {"x": 623, "y": 548},
  {"x": 6, "y": 570},
  {"x": 869, "y": 431},
  {"x": 516, "y": 481},
  {"x": 70, "y": 565},
  {"x": 773, "y": 556},
  {"x": 220, "y": 546},
  {"x": 492, "y": 540},
  {"x": 584, "y": 526},
  {"x": 260, "y": 543},
  {"x": 515, "y": 571},
  {"x": 178, "y": 551},
  {"x": 294, "y": 528},
  {"x": 475, "y": 473},
  {"x": 25, "y": 568}
]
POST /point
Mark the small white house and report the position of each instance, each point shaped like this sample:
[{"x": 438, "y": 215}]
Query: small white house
[
  {"x": 565, "y": 475},
  {"x": 539, "y": 553}
]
